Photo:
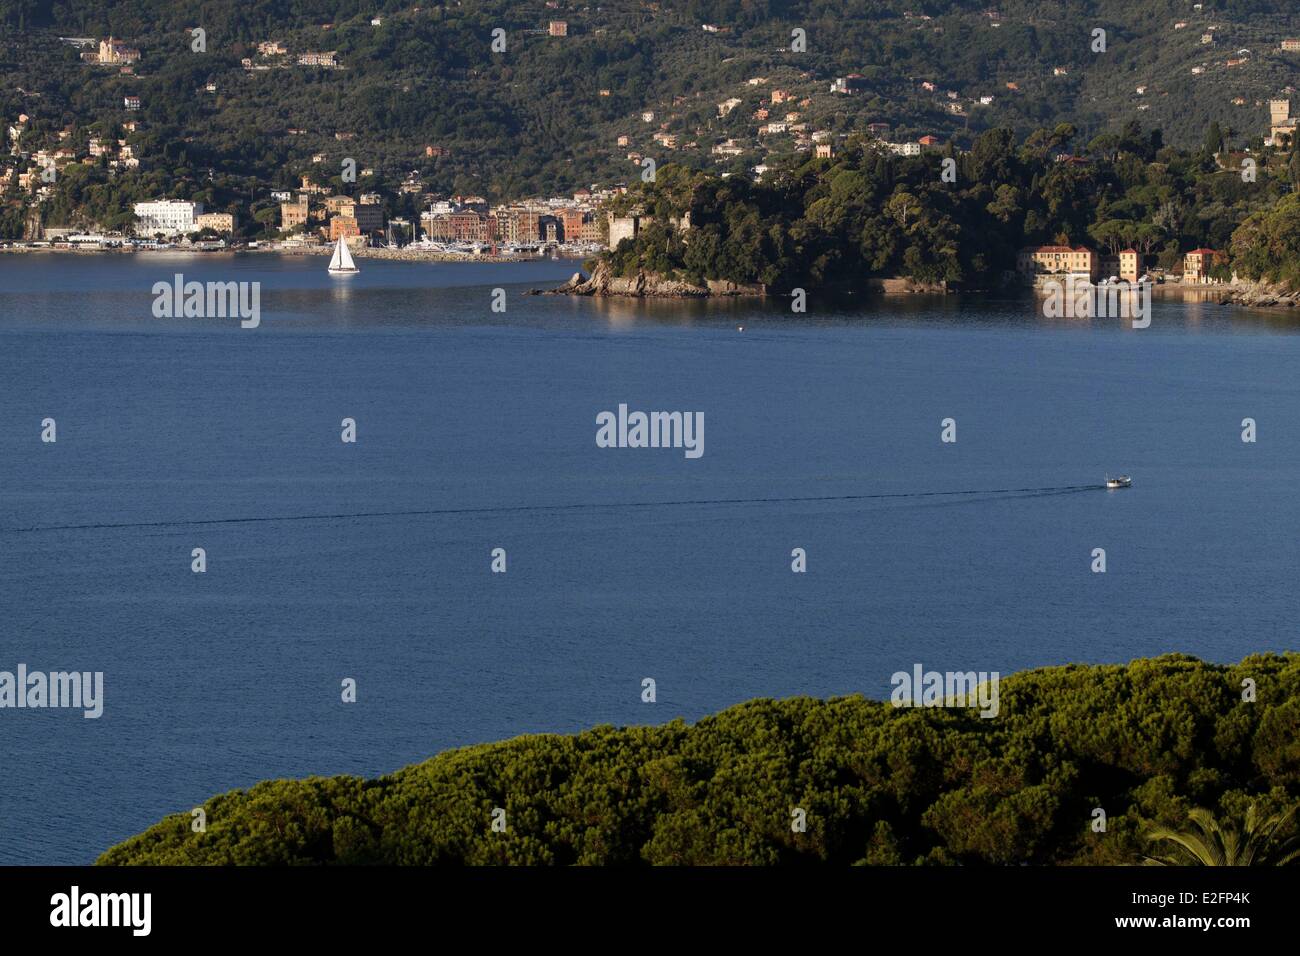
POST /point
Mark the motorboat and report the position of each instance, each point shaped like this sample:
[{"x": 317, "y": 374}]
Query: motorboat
[{"x": 1119, "y": 481}]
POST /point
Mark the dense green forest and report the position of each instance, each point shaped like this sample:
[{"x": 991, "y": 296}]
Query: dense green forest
[
  {"x": 822, "y": 223},
  {"x": 532, "y": 119},
  {"x": 1148, "y": 744}
]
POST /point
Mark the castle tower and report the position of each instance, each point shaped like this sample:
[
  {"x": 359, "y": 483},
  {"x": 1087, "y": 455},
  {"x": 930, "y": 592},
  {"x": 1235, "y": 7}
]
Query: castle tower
[{"x": 1279, "y": 111}]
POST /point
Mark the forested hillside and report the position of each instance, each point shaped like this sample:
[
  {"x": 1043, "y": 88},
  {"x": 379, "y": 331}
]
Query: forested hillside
[
  {"x": 545, "y": 115},
  {"x": 830, "y": 222},
  {"x": 1078, "y": 766}
]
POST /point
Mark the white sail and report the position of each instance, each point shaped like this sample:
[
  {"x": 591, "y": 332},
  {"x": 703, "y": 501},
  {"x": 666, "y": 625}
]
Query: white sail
[{"x": 341, "y": 261}]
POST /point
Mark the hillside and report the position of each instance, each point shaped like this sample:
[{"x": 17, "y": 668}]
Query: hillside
[
  {"x": 546, "y": 115},
  {"x": 831, "y": 223},
  {"x": 1144, "y": 742}
]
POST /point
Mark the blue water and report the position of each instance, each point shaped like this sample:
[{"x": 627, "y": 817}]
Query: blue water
[{"x": 485, "y": 421}]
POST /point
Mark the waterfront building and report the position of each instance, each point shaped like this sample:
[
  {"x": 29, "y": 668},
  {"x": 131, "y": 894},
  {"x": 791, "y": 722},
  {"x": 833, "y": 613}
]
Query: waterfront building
[
  {"x": 216, "y": 221},
  {"x": 168, "y": 216},
  {"x": 343, "y": 227},
  {"x": 1129, "y": 265},
  {"x": 1058, "y": 260},
  {"x": 1197, "y": 265}
]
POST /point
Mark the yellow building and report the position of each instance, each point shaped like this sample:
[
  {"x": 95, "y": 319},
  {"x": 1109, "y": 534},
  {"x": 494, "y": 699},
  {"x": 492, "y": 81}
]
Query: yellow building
[
  {"x": 1058, "y": 260},
  {"x": 335, "y": 205},
  {"x": 115, "y": 51},
  {"x": 216, "y": 221},
  {"x": 1197, "y": 265},
  {"x": 1129, "y": 264}
]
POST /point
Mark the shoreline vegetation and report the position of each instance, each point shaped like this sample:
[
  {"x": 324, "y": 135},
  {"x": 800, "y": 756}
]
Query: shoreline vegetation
[
  {"x": 998, "y": 215},
  {"x": 650, "y": 285},
  {"x": 1255, "y": 295},
  {"x": 1084, "y": 764}
]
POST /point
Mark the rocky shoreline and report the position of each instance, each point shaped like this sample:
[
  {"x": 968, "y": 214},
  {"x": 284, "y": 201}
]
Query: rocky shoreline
[
  {"x": 1255, "y": 295},
  {"x": 648, "y": 285},
  {"x": 652, "y": 285},
  {"x": 1262, "y": 295}
]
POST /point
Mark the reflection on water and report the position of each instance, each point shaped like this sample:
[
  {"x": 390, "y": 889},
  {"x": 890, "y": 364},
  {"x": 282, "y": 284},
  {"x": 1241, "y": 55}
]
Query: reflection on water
[
  {"x": 342, "y": 290},
  {"x": 298, "y": 294},
  {"x": 1192, "y": 293}
]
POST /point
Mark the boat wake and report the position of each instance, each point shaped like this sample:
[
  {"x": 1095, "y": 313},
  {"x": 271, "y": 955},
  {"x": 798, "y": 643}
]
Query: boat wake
[{"x": 582, "y": 506}]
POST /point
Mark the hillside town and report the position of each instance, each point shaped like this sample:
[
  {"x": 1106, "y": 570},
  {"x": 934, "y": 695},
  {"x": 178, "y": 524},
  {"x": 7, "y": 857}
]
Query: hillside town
[
  {"x": 778, "y": 114},
  {"x": 313, "y": 217}
]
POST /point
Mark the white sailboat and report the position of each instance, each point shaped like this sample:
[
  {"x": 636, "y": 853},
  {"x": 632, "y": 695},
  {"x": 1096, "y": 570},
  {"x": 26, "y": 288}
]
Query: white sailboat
[{"x": 341, "y": 263}]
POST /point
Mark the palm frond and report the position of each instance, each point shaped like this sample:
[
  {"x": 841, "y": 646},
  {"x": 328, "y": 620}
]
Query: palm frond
[{"x": 1207, "y": 841}]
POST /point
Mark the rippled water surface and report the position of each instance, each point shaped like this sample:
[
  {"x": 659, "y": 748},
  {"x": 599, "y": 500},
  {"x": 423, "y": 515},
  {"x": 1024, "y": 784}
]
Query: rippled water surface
[{"x": 476, "y": 430}]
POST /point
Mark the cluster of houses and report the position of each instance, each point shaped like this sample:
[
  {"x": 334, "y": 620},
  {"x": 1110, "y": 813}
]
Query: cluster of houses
[
  {"x": 1082, "y": 263},
  {"x": 313, "y": 212},
  {"x": 313, "y": 215},
  {"x": 774, "y": 122},
  {"x": 37, "y": 171},
  {"x": 780, "y": 113},
  {"x": 556, "y": 220},
  {"x": 272, "y": 54}
]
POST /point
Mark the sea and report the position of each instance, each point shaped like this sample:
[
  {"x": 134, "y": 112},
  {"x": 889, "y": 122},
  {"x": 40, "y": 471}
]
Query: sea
[{"x": 476, "y": 564}]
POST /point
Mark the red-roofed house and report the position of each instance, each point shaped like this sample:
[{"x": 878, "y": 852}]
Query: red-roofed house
[
  {"x": 1197, "y": 265},
  {"x": 1129, "y": 264}
]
